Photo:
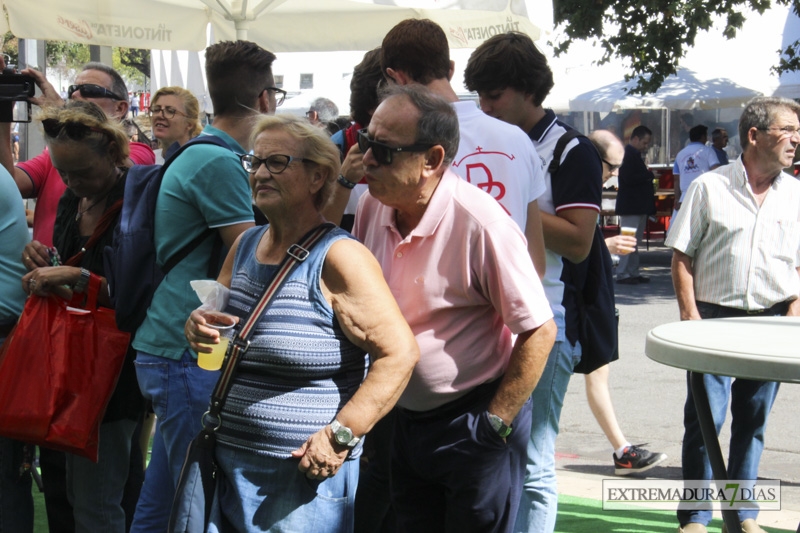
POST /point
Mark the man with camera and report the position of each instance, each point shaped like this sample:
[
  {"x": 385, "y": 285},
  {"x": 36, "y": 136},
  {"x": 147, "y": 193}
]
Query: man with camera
[{"x": 36, "y": 178}]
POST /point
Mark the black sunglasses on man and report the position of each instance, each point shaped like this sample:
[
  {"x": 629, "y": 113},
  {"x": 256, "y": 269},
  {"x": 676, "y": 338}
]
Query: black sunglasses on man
[{"x": 90, "y": 90}]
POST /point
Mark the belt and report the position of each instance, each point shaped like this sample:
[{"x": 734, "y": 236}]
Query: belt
[
  {"x": 482, "y": 393},
  {"x": 779, "y": 309}
]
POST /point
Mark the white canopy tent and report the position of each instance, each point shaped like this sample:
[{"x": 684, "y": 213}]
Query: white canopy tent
[
  {"x": 278, "y": 25},
  {"x": 684, "y": 90}
]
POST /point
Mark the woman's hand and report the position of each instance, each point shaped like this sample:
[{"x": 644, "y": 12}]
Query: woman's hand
[
  {"x": 319, "y": 457},
  {"x": 197, "y": 332},
  {"x": 621, "y": 244},
  {"x": 35, "y": 255},
  {"x": 42, "y": 281}
]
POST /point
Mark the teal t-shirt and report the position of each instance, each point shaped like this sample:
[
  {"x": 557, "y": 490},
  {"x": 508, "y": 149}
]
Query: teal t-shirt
[
  {"x": 206, "y": 187},
  {"x": 13, "y": 238}
]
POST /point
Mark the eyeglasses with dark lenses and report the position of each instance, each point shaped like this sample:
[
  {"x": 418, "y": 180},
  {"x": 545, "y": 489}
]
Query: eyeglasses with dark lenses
[
  {"x": 90, "y": 90},
  {"x": 168, "y": 111},
  {"x": 383, "y": 152},
  {"x": 276, "y": 163},
  {"x": 74, "y": 130},
  {"x": 280, "y": 95},
  {"x": 611, "y": 168}
]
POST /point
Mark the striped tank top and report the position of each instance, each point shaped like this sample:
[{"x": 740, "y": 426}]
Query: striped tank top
[{"x": 300, "y": 369}]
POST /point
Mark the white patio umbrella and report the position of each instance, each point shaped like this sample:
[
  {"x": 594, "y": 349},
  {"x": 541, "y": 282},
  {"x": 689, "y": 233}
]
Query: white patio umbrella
[
  {"x": 278, "y": 25},
  {"x": 684, "y": 90}
]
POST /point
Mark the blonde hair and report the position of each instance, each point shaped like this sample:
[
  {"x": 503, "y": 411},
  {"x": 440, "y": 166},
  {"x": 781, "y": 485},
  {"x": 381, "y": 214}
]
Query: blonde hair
[
  {"x": 190, "y": 104},
  {"x": 315, "y": 145},
  {"x": 104, "y": 131}
]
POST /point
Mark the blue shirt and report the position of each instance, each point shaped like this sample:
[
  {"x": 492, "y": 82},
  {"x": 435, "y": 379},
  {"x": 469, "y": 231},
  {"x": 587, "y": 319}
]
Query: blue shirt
[
  {"x": 14, "y": 236},
  {"x": 206, "y": 187}
]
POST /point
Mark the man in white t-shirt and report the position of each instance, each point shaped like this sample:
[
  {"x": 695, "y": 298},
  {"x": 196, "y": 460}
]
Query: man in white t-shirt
[
  {"x": 692, "y": 161},
  {"x": 493, "y": 155}
]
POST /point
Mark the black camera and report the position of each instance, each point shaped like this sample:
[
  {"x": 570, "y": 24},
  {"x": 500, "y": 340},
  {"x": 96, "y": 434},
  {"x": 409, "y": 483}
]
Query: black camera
[
  {"x": 16, "y": 86},
  {"x": 15, "y": 89}
]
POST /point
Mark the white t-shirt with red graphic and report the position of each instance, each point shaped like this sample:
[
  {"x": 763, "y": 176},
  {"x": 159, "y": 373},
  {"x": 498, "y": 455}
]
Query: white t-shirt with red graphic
[{"x": 499, "y": 159}]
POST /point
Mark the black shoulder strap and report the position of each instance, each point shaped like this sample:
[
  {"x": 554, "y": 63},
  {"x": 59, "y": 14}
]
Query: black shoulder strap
[
  {"x": 194, "y": 243},
  {"x": 559, "y": 149}
]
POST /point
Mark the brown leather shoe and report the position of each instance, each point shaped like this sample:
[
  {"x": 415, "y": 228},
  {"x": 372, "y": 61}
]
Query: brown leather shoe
[
  {"x": 693, "y": 527},
  {"x": 748, "y": 526}
]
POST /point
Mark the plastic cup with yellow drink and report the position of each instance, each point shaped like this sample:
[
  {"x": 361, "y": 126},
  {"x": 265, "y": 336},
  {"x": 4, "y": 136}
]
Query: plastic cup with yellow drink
[
  {"x": 628, "y": 232},
  {"x": 213, "y": 360}
]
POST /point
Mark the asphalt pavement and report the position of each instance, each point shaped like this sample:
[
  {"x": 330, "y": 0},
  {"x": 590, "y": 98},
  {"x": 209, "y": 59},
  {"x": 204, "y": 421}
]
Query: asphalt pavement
[{"x": 648, "y": 399}]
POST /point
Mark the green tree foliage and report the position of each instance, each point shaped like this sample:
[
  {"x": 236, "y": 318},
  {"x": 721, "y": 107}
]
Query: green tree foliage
[
  {"x": 10, "y": 47},
  {"x": 655, "y": 34}
]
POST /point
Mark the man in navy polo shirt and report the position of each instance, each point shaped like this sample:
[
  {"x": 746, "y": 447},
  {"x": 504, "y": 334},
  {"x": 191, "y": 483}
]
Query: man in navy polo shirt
[{"x": 512, "y": 79}]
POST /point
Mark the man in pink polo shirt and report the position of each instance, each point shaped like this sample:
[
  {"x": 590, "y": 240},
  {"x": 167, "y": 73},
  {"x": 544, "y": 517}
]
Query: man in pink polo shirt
[{"x": 459, "y": 268}]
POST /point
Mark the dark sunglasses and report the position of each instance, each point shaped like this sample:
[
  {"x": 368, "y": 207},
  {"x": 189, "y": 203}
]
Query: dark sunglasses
[
  {"x": 611, "y": 168},
  {"x": 276, "y": 163},
  {"x": 74, "y": 130},
  {"x": 383, "y": 152},
  {"x": 90, "y": 90}
]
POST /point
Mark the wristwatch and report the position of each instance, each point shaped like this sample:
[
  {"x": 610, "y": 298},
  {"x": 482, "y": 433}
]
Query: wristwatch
[
  {"x": 499, "y": 426},
  {"x": 344, "y": 182},
  {"x": 344, "y": 435},
  {"x": 83, "y": 282}
]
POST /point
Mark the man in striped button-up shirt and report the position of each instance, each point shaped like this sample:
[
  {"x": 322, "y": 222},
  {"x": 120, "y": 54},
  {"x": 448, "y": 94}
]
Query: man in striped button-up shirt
[{"x": 736, "y": 245}]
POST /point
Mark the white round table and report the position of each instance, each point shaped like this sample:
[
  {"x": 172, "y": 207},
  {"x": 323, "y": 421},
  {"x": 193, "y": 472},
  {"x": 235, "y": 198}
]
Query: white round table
[{"x": 763, "y": 348}]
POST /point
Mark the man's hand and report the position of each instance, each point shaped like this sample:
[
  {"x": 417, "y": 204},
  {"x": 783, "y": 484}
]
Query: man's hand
[
  {"x": 353, "y": 166},
  {"x": 319, "y": 457},
  {"x": 49, "y": 96}
]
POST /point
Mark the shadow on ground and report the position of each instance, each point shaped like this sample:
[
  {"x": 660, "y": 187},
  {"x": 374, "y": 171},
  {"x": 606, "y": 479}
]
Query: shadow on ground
[{"x": 654, "y": 264}]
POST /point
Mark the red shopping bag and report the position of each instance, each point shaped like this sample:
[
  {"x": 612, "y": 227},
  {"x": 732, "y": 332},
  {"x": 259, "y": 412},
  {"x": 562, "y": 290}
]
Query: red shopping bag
[{"x": 58, "y": 368}]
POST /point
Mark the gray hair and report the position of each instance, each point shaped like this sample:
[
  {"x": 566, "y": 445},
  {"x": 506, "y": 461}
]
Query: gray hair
[
  {"x": 438, "y": 123},
  {"x": 118, "y": 86},
  {"x": 760, "y": 113},
  {"x": 327, "y": 111}
]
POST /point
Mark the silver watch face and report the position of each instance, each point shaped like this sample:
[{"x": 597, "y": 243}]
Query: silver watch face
[{"x": 343, "y": 435}]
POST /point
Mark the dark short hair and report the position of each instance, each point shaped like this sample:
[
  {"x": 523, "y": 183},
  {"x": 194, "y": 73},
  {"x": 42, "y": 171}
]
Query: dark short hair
[
  {"x": 438, "y": 123},
  {"x": 760, "y": 113},
  {"x": 641, "y": 131},
  {"x": 697, "y": 133},
  {"x": 237, "y": 73},
  {"x": 509, "y": 60},
  {"x": 419, "y": 48},
  {"x": 367, "y": 75},
  {"x": 118, "y": 86}
]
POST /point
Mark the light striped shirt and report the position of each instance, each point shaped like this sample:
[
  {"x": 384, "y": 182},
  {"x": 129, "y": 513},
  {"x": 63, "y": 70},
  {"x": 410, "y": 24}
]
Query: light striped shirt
[{"x": 743, "y": 256}]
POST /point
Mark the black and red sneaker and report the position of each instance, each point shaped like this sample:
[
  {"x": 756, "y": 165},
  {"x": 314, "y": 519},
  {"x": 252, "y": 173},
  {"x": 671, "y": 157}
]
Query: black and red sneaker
[{"x": 636, "y": 459}]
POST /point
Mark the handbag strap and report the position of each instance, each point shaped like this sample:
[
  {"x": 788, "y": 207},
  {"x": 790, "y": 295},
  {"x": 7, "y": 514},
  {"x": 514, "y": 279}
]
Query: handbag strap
[
  {"x": 296, "y": 254},
  {"x": 105, "y": 222}
]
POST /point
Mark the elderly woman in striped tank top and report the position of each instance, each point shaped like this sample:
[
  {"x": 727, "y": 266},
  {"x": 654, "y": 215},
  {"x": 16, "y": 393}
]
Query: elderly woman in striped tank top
[{"x": 306, "y": 391}]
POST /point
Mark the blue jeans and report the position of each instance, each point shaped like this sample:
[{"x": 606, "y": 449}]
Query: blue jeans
[
  {"x": 95, "y": 489},
  {"x": 180, "y": 392},
  {"x": 751, "y": 402},
  {"x": 539, "y": 504},
  {"x": 257, "y": 493},
  {"x": 16, "y": 501}
]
